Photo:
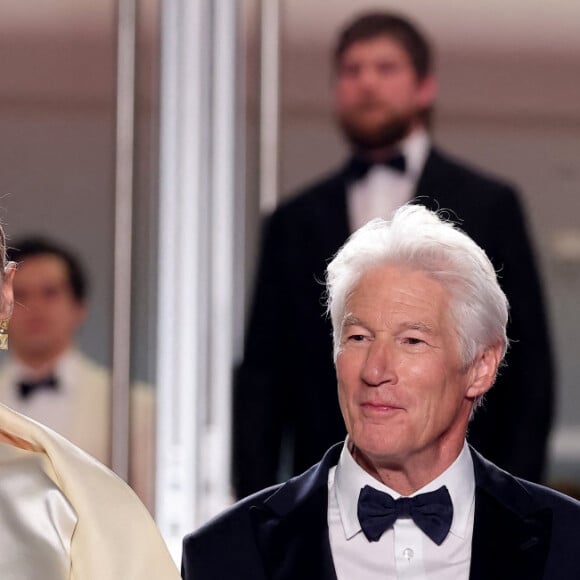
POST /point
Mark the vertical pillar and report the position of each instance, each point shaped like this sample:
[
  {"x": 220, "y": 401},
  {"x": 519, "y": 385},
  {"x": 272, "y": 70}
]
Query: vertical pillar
[
  {"x": 124, "y": 158},
  {"x": 196, "y": 262},
  {"x": 269, "y": 104}
]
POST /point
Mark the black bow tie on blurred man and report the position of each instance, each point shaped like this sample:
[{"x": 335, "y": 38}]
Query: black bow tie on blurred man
[
  {"x": 358, "y": 167},
  {"x": 432, "y": 512},
  {"x": 27, "y": 388}
]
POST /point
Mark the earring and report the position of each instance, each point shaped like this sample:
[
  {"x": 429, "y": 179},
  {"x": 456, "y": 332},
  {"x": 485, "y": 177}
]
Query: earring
[{"x": 4, "y": 335}]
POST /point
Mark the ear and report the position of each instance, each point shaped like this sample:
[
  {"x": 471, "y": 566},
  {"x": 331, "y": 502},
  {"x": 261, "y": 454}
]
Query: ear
[
  {"x": 483, "y": 372},
  {"x": 7, "y": 297},
  {"x": 427, "y": 91}
]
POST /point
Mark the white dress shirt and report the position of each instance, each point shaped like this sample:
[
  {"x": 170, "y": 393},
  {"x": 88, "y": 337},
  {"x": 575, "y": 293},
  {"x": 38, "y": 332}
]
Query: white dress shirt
[
  {"x": 383, "y": 190},
  {"x": 403, "y": 551},
  {"x": 37, "y": 522}
]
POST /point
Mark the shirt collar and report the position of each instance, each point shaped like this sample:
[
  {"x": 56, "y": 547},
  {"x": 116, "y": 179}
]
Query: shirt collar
[
  {"x": 459, "y": 478},
  {"x": 18, "y": 370},
  {"x": 415, "y": 148}
]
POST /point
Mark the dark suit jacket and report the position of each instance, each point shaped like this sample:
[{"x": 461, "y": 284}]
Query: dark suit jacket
[
  {"x": 522, "y": 531},
  {"x": 286, "y": 386}
]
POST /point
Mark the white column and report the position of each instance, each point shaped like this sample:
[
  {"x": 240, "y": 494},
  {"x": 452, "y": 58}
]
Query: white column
[
  {"x": 124, "y": 158},
  {"x": 269, "y": 104},
  {"x": 196, "y": 261},
  {"x": 217, "y": 475}
]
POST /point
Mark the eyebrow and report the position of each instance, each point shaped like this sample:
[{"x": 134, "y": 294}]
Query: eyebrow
[
  {"x": 350, "y": 320},
  {"x": 420, "y": 326}
]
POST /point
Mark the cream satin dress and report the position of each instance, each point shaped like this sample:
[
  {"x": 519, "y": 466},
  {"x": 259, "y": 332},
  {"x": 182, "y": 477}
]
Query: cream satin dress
[{"x": 63, "y": 516}]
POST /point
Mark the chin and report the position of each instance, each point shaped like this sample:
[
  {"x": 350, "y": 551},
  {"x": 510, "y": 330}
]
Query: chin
[
  {"x": 376, "y": 131},
  {"x": 380, "y": 443}
]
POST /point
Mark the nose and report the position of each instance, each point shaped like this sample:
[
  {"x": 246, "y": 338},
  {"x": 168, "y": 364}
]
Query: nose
[
  {"x": 368, "y": 78},
  {"x": 379, "y": 367}
]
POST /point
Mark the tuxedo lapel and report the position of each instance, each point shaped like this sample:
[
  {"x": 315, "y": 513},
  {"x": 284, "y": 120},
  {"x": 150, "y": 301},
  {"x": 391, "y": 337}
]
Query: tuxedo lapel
[
  {"x": 296, "y": 545},
  {"x": 446, "y": 186},
  {"x": 432, "y": 182},
  {"x": 292, "y": 530},
  {"x": 332, "y": 211},
  {"x": 511, "y": 534}
]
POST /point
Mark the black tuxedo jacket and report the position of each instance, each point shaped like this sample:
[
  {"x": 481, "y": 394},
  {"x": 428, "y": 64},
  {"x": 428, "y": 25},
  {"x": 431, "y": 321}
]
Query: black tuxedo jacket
[
  {"x": 522, "y": 531},
  {"x": 286, "y": 386}
]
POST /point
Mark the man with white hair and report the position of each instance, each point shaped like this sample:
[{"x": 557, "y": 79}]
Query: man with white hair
[
  {"x": 384, "y": 93},
  {"x": 419, "y": 327}
]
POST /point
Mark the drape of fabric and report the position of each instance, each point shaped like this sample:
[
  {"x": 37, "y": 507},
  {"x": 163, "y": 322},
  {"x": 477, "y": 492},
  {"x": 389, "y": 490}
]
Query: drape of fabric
[
  {"x": 114, "y": 537},
  {"x": 36, "y": 520},
  {"x": 80, "y": 410}
]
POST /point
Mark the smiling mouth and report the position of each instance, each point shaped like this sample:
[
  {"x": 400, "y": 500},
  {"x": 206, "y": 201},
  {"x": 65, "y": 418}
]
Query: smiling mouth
[{"x": 379, "y": 408}]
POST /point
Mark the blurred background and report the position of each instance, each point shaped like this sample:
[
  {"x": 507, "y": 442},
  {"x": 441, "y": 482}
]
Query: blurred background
[{"x": 232, "y": 112}]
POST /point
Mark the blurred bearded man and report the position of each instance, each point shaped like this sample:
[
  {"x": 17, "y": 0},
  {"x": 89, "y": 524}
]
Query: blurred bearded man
[{"x": 384, "y": 91}]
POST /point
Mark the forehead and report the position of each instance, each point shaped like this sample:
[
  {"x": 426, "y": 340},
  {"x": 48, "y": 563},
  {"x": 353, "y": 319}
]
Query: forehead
[
  {"x": 383, "y": 46},
  {"x": 40, "y": 269},
  {"x": 392, "y": 290}
]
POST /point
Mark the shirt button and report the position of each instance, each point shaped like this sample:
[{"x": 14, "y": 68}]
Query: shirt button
[{"x": 408, "y": 554}]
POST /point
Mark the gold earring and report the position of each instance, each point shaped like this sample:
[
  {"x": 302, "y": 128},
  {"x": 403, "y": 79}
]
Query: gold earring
[{"x": 4, "y": 335}]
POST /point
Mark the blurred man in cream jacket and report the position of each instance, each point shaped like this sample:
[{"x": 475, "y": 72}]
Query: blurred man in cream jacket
[
  {"x": 63, "y": 516},
  {"x": 45, "y": 376}
]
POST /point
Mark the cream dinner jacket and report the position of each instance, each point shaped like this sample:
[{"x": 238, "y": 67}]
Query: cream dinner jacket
[{"x": 115, "y": 537}]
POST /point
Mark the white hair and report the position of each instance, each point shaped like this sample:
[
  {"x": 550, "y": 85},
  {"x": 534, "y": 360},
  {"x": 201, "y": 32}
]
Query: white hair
[{"x": 420, "y": 239}]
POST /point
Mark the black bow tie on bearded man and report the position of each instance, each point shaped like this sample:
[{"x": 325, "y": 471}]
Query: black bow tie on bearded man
[
  {"x": 27, "y": 388},
  {"x": 358, "y": 167},
  {"x": 432, "y": 512}
]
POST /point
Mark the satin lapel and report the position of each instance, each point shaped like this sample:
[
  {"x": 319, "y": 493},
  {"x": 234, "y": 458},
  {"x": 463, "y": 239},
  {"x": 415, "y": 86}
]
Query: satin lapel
[
  {"x": 511, "y": 534},
  {"x": 430, "y": 183},
  {"x": 298, "y": 545},
  {"x": 332, "y": 212},
  {"x": 439, "y": 189},
  {"x": 292, "y": 530}
]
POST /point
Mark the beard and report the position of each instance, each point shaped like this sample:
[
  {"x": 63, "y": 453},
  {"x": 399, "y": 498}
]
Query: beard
[{"x": 371, "y": 126}]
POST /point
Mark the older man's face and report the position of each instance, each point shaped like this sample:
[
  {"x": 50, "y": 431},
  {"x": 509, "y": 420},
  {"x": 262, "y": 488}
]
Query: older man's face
[{"x": 403, "y": 393}]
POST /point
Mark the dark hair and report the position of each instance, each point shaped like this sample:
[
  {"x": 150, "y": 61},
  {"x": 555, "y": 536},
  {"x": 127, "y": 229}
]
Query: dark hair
[
  {"x": 26, "y": 248},
  {"x": 374, "y": 24}
]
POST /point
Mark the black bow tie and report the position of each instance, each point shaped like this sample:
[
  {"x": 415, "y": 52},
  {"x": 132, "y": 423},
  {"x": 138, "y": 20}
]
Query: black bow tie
[
  {"x": 359, "y": 167},
  {"x": 432, "y": 512},
  {"x": 28, "y": 388}
]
